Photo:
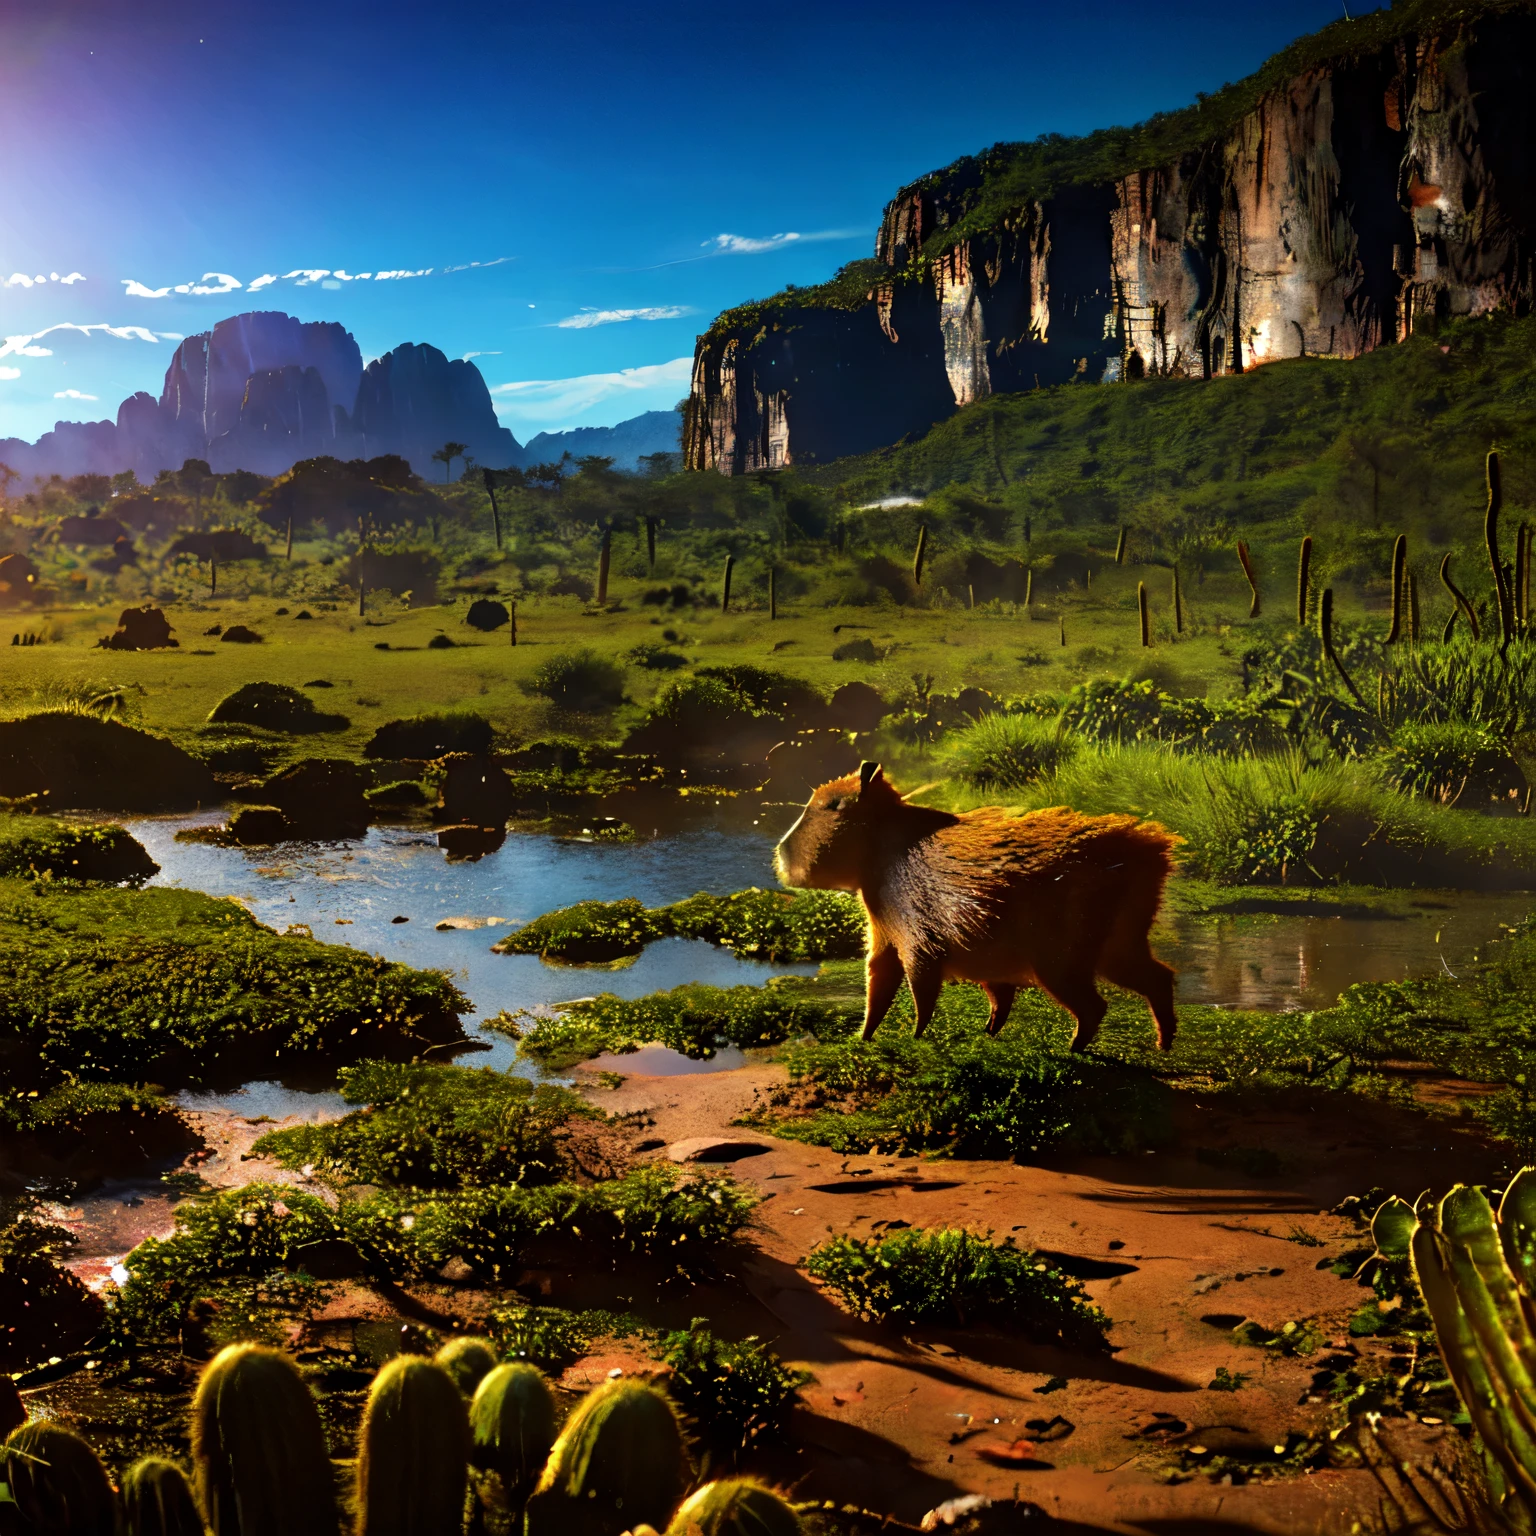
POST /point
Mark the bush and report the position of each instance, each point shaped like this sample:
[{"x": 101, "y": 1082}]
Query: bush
[
  {"x": 947, "y": 1274},
  {"x": 274, "y": 707},
  {"x": 84, "y": 763},
  {"x": 583, "y": 681},
  {"x": 435, "y": 1127},
  {"x": 554, "y": 1337},
  {"x": 767, "y": 692},
  {"x": 424, "y": 737},
  {"x": 1438, "y": 760},
  {"x": 44, "y": 1309},
  {"x": 1006, "y": 751},
  {"x": 39, "y": 845},
  {"x": 656, "y": 658},
  {"x": 1107, "y": 709},
  {"x": 737, "y": 1394}
]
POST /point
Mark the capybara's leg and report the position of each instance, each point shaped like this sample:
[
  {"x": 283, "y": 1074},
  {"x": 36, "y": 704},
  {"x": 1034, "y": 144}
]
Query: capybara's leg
[
  {"x": 1146, "y": 974},
  {"x": 1001, "y": 995},
  {"x": 1078, "y": 995},
  {"x": 925, "y": 978},
  {"x": 883, "y": 978}
]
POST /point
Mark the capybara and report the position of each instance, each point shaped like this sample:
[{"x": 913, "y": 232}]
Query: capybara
[{"x": 1051, "y": 899}]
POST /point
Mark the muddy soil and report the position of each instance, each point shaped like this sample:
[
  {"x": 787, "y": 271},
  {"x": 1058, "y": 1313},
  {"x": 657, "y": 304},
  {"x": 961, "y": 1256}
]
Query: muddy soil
[{"x": 1175, "y": 1246}]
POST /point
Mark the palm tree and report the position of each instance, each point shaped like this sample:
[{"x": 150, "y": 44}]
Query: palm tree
[{"x": 447, "y": 454}]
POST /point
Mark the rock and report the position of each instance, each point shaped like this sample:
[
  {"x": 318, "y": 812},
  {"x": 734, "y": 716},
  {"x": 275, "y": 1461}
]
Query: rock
[
  {"x": 139, "y": 629},
  {"x": 258, "y": 826},
  {"x": 274, "y": 707},
  {"x": 456, "y": 1272},
  {"x": 214, "y": 629},
  {"x": 421, "y": 738},
  {"x": 439, "y": 643},
  {"x": 240, "y": 634},
  {"x": 714, "y": 1149},
  {"x": 473, "y": 791},
  {"x": 486, "y": 615},
  {"x": 83, "y": 763},
  {"x": 470, "y": 842},
  {"x": 399, "y": 919},
  {"x": 321, "y": 797},
  {"x": 862, "y": 649},
  {"x": 453, "y": 924}
]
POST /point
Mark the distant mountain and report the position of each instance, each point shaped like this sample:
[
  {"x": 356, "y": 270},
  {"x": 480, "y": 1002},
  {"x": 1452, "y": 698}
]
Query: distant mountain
[
  {"x": 626, "y": 444},
  {"x": 261, "y": 391}
]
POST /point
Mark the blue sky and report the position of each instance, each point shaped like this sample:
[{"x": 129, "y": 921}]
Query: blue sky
[{"x": 619, "y": 173}]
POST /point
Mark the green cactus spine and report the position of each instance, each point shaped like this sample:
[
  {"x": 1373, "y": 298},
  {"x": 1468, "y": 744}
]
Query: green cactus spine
[
  {"x": 1325, "y": 634},
  {"x": 619, "y": 1462},
  {"x": 1141, "y": 609},
  {"x": 259, "y": 1456},
  {"x": 57, "y": 1484},
  {"x": 1120, "y": 546},
  {"x": 1399, "y": 572},
  {"x": 1460, "y": 599},
  {"x": 468, "y": 1362},
  {"x": 736, "y": 1506},
  {"x": 157, "y": 1500},
  {"x": 921, "y": 555},
  {"x": 725, "y": 585},
  {"x": 1178, "y": 603},
  {"x": 1303, "y": 579},
  {"x": 1253, "y": 581},
  {"x": 413, "y": 1452},
  {"x": 512, "y": 1427},
  {"x": 1501, "y": 590},
  {"x": 604, "y": 563}
]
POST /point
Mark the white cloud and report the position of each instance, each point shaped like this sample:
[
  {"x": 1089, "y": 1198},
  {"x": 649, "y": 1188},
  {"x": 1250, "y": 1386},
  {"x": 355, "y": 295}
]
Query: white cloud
[
  {"x": 300, "y": 277},
  {"x": 21, "y": 280},
  {"x": 10, "y": 373},
  {"x": 264, "y": 281},
  {"x": 752, "y": 245},
  {"x": 137, "y": 290},
  {"x": 25, "y": 346},
  {"x": 73, "y": 394},
  {"x": 590, "y": 317},
  {"x": 547, "y": 402}
]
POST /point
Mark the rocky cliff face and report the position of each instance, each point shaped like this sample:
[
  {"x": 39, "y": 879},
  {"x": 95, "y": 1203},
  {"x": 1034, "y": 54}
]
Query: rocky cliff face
[
  {"x": 1366, "y": 192},
  {"x": 262, "y": 391}
]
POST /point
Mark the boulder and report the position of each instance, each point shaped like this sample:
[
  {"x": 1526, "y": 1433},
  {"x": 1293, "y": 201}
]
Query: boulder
[
  {"x": 320, "y": 797},
  {"x": 421, "y": 738},
  {"x": 88, "y": 764},
  {"x": 486, "y": 615},
  {"x": 258, "y": 826},
  {"x": 274, "y": 707},
  {"x": 473, "y": 791},
  {"x": 239, "y": 634},
  {"x": 140, "y": 629},
  {"x": 470, "y": 842}
]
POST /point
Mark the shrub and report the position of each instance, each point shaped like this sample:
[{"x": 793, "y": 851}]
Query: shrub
[
  {"x": 82, "y": 762},
  {"x": 582, "y": 681},
  {"x": 737, "y": 1394},
  {"x": 273, "y": 707},
  {"x": 1438, "y": 760},
  {"x": 550, "y": 1338},
  {"x": 1105, "y": 709},
  {"x": 39, "y": 845},
  {"x": 435, "y": 1127},
  {"x": 767, "y": 692},
  {"x": 424, "y": 737},
  {"x": 656, "y": 658},
  {"x": 44, "y": 1308},
  {"x": 1006, "y": 751},
  {"x": 947, "y": 1274}
]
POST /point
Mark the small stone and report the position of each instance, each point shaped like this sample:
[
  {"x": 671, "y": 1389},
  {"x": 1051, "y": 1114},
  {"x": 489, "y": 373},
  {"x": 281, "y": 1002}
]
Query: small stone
[
  {"x": 399, "y": 919},
  {"x": 615, "y": 1373}
]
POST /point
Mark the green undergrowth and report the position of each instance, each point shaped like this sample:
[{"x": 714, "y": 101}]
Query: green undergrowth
[
  {"x": 755, "y": 924},
  {"x": 434, "y": 1127},
  {"x": 172, "y": 986},
  {"x": 695, "y": 1019},
  {"x": 71, "y": 1105},
  {"x": 32, "y": 846},
  {"x": 950, "y": 1275},
  {"x": 230, "y": 1245}
]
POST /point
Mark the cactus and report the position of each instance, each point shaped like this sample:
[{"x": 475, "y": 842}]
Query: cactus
[
  {"x": 468, "y": 1362},
  {"x": 1120, "y": 546},
  {"x": 1141, "y": 609},
  {"x": 1303, "y": 579},
  {"x": 619, "y": 1462},
  {"x": 1501, "y": 590},
  {"x": 1460, "y": 598},
  {"x": 1413, "y": 608},
  {"x": 736, "y": 1506},
  {"x": 1325, "y": 634},
  {"x": 1477, "y": 1272},
  {"x": 1399, "y": 572},
  {"x": 56, "y": 1483},
  {"x": 413, "y": 1452},
  {"x": 650, "y": 543},
  {"x": 512, "y": 1427},
  {"x": 157, "y": 1500},
  {"x": 921, "y": 555},
  {"x": 1178, "y": 603},
  {"x": 259, "y": 1458},
  {"x": 604, "y": 561},
  {"x": 288, "y": 553},
  {"x": 1029, "y": 590},
  {"x": 1253, "y": 580},
  {"x": 725, "y": 585}
]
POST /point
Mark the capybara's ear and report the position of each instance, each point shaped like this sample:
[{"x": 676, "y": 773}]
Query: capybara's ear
[{"x": 868, "y": 774}]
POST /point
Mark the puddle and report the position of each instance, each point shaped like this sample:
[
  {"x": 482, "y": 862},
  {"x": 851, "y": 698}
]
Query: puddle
[
  {"x": 1278, "y": 962},
  {"x": 271, "y": 1101},
  {"x": 351, "y": 893},
  {"x": 663, "y": 1061}
]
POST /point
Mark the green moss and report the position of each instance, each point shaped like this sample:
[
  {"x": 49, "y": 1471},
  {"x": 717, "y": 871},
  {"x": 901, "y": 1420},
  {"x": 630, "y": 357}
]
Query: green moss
[{"x": 64, "y": 850}]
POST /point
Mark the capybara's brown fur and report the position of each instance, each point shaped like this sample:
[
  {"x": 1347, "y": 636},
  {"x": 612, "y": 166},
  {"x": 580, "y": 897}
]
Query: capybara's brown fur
[{"x": 1051, "y": 899}]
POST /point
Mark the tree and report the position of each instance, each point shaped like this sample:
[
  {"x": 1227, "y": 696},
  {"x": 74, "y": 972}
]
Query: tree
[
  {"x": 447, "y": 454},
  {"x": 126, "y": 484}
]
